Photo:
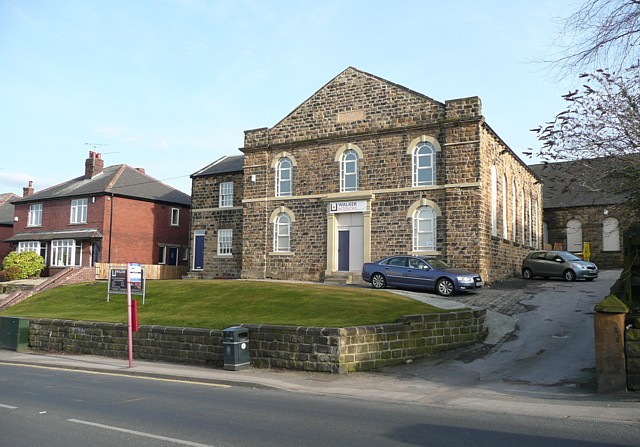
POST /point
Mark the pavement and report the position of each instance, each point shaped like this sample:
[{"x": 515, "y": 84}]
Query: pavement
[{"x": 503, "y": 302}]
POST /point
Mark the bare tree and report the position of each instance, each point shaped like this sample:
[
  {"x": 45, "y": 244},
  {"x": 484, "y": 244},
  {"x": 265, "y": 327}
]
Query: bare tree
[{"x": 601, "y": 34}]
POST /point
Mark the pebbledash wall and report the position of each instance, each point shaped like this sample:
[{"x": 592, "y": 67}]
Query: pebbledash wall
[
  {"x": 487, "y": 202},
  {"x": 334, "y": 350}
]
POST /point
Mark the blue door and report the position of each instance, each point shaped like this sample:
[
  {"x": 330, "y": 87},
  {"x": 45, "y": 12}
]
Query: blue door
[
  {"x": 343, "y": 251},
  {"x": 198, "y": 251}
]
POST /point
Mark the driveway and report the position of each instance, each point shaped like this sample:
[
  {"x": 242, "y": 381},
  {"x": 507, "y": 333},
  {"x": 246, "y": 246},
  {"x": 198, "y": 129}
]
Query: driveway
[{"x": 550, "y": 342}]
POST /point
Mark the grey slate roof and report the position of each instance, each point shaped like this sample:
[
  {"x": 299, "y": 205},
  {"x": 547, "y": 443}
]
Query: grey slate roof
[
  {"x": 577, "y": 183},
  {"x": 224, "y": 165},
  {"x": 6, "y": 208},
  {"x": 119, "y": 180}
]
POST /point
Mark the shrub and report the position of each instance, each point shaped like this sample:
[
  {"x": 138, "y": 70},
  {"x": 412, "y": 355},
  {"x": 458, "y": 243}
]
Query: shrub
[{"x": 22, "y": 265}]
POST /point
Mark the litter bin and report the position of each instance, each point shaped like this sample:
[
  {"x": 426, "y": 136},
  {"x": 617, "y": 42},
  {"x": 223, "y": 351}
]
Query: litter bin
[{"x": 235, "y": 341}]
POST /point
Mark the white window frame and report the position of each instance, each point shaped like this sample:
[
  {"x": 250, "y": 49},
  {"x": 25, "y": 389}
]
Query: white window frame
[
  {"x": 349, "y": 167},
  {"x": 610, "y": 234},
  {"x": 34, "y": 246},
  {"x": 35, "y": 215},
  {"x": 226, "y": 195},
  {"x": 282, "y": 233},
  {"x": 162, "y": 254},
  {"x": 66, "y": 253},
  {"x": 175, "y": 217},
  {"x": 424, "y": 161},
  {"x": 79, "y": 211},
  {"x": 225, "y": 242},
  {"x": 424, "y": 238},
  {"x": 284, "y": 177}
]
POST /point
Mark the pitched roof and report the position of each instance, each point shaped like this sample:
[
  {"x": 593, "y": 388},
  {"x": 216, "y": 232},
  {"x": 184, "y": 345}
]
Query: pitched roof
[
  {"x": 87, "y": 233},
  {"x": 224, "y": 165},
  {"x": 577, "y": 183},
  {"x": 6, "y": 208},
  {"x": 119, "y": 180}
]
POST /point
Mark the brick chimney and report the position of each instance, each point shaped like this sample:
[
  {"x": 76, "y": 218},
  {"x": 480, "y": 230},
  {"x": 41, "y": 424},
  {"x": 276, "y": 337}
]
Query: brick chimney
[
  {"x": 93, "y": 165},
  {"x": 26, "y": 192}
]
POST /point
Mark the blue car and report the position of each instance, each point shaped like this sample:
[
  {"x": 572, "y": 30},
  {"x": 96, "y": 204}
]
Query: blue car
[{"x": 415, "y": 272}]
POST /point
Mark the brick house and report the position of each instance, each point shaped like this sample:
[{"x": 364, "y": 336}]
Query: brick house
[
  {"x": 6, "y": 223},
  {"x": 579, "y": 207},
  {"x": 115, "y": 214},
  {"x": 363, "y": 169}
]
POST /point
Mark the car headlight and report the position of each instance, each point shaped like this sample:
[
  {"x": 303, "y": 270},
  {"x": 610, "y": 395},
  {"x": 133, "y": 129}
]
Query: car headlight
[
  {"x": 465, "y": 280},
  {"x": 580, "y": 266}
]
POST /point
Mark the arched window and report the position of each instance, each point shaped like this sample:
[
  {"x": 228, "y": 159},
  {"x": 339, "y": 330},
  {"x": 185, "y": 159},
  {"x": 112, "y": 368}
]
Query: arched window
[
  {"x": 522, "y": 216},
  {"x": 424, "y": 229},
  {"x": 574, "y": 235},
  {"x": 494, "y": 201},
  {"x": 514, "y": 212},
  {"x": 284, "y": 177},
  {"x": 530, "y": 221},
  {"x": 424, "y": 164},
  {"x": 349, "y": 171},
  {"x": 545, "y": 233},
  {"x": 610, "y": 234},
  {"x": 282, "y": 233},
  {"x": 505, "y": 224}
]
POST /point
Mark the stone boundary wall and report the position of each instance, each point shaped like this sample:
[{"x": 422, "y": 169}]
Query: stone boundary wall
[
  {"x": 632, "y": 355},
  {"x": 335, "y": 350}
]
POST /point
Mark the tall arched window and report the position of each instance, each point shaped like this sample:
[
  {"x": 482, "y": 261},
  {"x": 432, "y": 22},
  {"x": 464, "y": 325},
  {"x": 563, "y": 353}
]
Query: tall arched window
[
  {"x": 574, "y": 235},
  {"x": 349, "y": 171},
  {"x": 494, "y": 201},
  {"x": 610, "y": 234},
  {"x": 522, "y": 216},
  {"x": 514, "y": 212},
  {"x": 530, "y": 221},
  {"x": 282, "y": 233},
  {"x": 424, "y": 164},
  {"x": 424, "y": 229},
  {"x": 284, "y": 177},
  {"x": 505, "y": 224}
]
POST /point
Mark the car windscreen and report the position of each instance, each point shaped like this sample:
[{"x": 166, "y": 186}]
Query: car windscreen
[
  {"x": 570, "y": 257},
  {"x": 437, "y": 263}
]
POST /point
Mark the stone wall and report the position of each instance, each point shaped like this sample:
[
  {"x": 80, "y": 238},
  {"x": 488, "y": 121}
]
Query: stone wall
[
  {"x": 591, "y": 219},
  {"x": 335, "y": 350},
  {"x": 632, "y": 354}
]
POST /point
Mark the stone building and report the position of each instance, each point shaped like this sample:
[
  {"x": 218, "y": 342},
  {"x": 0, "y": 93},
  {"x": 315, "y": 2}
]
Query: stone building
[
  {"x": 363, "y": 169},
  {"x": 579, "y": 207}
]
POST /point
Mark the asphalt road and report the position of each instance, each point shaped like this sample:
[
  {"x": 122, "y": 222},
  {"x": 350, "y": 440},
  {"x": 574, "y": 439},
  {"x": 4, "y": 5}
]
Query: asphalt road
[
  {"x": 56, "y": 408},
  {"x": 552, "y": 347}
]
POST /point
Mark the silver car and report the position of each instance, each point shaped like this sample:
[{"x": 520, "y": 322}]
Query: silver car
[{"x": 560, "y": 264}]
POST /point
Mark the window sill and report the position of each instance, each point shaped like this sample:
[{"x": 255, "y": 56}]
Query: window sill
[
  {"x": 282, "y": 253},
  {"x": 425, "y": 253}
]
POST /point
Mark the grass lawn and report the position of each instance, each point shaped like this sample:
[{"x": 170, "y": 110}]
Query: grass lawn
[{"x": 219, "y": 304}]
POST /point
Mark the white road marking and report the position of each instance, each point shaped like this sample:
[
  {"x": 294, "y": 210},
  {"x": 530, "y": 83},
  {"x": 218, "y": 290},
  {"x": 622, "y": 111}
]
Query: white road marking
[
  {"x": 8, "y": 407},
  {"x": 139, "y": 433}
]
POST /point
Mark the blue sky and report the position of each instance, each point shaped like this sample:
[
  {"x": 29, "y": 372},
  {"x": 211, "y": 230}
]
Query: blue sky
[{"x": 171, "y": 85}]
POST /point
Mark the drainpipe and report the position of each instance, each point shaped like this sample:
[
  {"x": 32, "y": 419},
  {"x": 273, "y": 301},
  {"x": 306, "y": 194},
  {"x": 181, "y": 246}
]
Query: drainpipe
[
  {"x": 266, "y": 213},
  {"x": 110, "y": 230}
]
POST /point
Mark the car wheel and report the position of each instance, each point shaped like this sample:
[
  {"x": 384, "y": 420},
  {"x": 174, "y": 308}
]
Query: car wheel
[
  {"x": 569, "y": 275},
  {"x": 378, "y": 281},
  {"x": 527, "y": 273},
  {"x": 444, "y": 287}
]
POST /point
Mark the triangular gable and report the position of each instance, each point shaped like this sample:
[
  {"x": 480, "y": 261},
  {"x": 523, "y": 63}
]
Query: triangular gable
[{"x": 355, "y": 101}]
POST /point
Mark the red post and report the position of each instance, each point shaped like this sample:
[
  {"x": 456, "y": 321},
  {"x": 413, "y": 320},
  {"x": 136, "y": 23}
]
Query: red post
[{"x": 134, "y": 315}]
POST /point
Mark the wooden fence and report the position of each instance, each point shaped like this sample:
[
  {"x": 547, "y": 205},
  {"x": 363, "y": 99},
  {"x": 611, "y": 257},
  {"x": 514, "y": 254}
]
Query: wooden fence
[{"x": 151, "y": 271}]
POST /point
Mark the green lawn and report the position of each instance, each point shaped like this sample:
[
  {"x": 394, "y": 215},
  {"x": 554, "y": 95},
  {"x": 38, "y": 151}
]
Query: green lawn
[{"x": 219, "y": 304}]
